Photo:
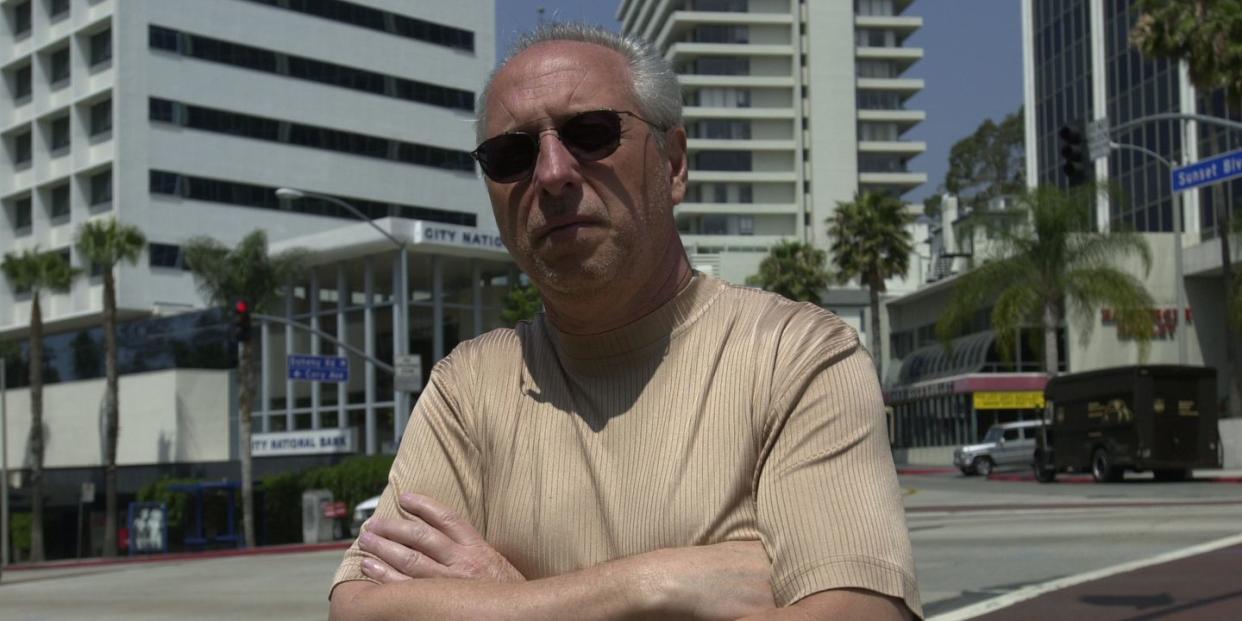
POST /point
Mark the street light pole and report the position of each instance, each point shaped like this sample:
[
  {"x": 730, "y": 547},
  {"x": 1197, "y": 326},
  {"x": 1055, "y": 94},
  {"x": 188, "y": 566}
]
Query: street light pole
[
  {"x": 1180, "y": 273},
  {"x": 401, "y": 303},
  {"x": 4, "y": 465}
]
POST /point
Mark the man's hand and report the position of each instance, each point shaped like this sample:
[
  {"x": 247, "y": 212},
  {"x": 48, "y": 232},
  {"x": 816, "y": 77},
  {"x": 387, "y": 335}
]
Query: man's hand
[
  {"x": 434, "y": 543},
  {"x": 721, "y": 581}
]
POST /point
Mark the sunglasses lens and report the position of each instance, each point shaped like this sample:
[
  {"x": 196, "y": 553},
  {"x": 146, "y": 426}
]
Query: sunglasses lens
[
  {"x": 508, "y": 157},
  {"x": 593, "y": 135}
]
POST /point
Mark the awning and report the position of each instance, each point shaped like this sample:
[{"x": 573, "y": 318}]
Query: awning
[{"x": 967, "y": 354}]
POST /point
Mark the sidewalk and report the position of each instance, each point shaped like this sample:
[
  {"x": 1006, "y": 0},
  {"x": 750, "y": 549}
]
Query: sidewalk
[{"x": 294, "y": 548}]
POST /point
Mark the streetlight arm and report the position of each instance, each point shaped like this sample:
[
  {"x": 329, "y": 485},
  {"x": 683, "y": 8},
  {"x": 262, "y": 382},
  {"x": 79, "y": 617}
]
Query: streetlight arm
[
  {"x": 289, "y": 193},
  {"x": 1134, "y": 147}
]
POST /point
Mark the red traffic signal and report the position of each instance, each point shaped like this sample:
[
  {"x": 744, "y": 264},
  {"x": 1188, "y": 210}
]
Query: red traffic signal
[{"x": 241, "y": 321}]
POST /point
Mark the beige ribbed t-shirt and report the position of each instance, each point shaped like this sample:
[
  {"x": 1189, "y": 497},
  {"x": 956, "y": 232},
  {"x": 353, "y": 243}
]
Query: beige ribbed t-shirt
[{"x": 727, "y": 414}]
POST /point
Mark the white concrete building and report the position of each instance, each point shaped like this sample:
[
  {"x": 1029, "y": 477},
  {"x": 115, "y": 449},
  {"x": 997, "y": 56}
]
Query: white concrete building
[
  {"x": 790, "y": 107},
  {"x": 182, "y": 117}
]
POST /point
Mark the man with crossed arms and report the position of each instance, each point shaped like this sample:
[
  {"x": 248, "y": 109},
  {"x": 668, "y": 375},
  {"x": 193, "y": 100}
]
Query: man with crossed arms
[{"x": 658, "y": 443}]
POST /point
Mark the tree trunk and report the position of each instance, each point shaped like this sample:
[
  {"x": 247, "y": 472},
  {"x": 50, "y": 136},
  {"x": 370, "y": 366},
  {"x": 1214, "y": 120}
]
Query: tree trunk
[
  {"x": 1051, "y": 353},
  {"x": 245, "y": 368},
  {"x": 111, "y": 413},
  {"x": 36, "y": 430},
  {"x": 876, "y": 341}
]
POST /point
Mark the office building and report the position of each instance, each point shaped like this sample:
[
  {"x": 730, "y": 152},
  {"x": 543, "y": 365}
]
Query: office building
[{"x": 183, "y": 118}]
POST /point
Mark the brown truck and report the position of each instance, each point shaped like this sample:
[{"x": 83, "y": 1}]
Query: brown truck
[{"x": 1158, "y": 418}]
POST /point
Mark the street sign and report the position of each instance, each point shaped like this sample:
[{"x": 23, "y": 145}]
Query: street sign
[
  {"x": 1206, "y": 172},
  {"x": 318, "y": 368},
  {"x": 1098, "y": 142},
  {"x": 408, "y": 374},
  {"x": 88, "y": 492}
]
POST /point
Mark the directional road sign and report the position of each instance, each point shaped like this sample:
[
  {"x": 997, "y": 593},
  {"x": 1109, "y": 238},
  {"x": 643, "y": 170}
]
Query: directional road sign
[
  {"x": 318, "y": 368},
  {"x": 1098, "y": 142},
  {"x": 1206, "y": 172}
]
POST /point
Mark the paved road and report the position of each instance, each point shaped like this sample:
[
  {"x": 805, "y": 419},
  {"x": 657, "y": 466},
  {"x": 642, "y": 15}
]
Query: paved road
[{"x": 974, "y": 540}]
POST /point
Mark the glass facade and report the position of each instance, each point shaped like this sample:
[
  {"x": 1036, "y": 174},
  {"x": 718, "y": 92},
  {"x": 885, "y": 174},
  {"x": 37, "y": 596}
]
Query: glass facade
[
  {"x": 1214, "y": 140},
  {"x": 1062, "y": 78},
  {"x": 378, "y": 20}
]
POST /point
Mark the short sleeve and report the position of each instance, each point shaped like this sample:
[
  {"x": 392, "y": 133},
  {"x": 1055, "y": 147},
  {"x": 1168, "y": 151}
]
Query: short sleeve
[
  {"x": 828, "y": 503},
  {"x": 437, "y": 458}
]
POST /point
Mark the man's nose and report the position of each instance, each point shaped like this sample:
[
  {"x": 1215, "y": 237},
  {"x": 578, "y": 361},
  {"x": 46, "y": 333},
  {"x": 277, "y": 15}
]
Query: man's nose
[{"x": 556, "y": 170}]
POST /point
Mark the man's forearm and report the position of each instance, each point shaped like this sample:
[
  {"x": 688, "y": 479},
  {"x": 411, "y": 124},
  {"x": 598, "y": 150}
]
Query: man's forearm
[{"x": 616, "y": 590}]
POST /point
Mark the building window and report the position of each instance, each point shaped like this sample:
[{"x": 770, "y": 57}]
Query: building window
[
  {"x": 22, "y": 214},
  {"x": 101, "y": 117},
  {"x": 873, "y": 7},
  {"x": 164, "y": 255},
  {"x": 59, "y": 202},
  {"x": 728, "y": 6},
  {"x": 264, "y": 197},
  {"x": 57, "y": 8},
  {"x": 881, "y": 132},
  {"x": 876, "y": 69},
  {"x": 101, "y": 47},
  {"x": 60, "y": 134},
  {"x": 875, "y": 38},
  {"x": 872, "y": 162},
  {"x": 237, "y": 55},
  {"x": 880, "y": 100},
  {"x": 22, "y": 82},
  {"x": 383, "y": 21},
  {"x": 715, "y": 225},
  {"x": 723, "y": 160},
  {"x": 745, "y": 225},
  {"x": 21, "y": 19},
  {"x": 720, "y": 34},
  {"x": 716, "y": 65},
  {"x": 21, "y": 149},
  {"x": 101, "y": 188},
  {"x": 272, "y": 130},
  {"x": 720, "y": 129},
  {"x": 59, "y": 72}
]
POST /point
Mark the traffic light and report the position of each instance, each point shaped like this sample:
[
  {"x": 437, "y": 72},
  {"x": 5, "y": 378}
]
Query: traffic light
[
  {"x": 241, "y": 321},
  {"x": 1074, "y": 160}
]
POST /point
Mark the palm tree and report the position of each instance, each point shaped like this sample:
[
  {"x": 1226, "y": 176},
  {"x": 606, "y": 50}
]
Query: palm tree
[
  {"x": 1046, "y": 261},
  {"x": 522, "y": 302},
  {"x": 37, "y": 272},
  {"x": 248, "y": 273},
  {"x": 106, "y": 243},
  {"x": 871, "y": 243},
  {"x": 793, "y": 269}
]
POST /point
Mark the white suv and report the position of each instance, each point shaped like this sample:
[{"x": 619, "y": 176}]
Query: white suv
[
  {"x": 363, "y": 511},
  {"x": 1006, "y": 444}
]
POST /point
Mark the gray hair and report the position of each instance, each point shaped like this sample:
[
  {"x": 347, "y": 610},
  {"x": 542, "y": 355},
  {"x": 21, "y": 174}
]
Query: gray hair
[{"x": 655, "y": 83}]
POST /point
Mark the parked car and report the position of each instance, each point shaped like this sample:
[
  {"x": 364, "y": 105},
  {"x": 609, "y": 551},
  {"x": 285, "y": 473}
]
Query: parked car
[
  {"x": 1006, "y": 444},
  {"x": 362, "y": 512}
]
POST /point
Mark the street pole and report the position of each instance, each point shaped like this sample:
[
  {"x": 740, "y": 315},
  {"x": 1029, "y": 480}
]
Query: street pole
[
  {"x": 1178, "y": 269},
  {"x": 4, "y": 466},
  {"x": 401, "y": 302}
]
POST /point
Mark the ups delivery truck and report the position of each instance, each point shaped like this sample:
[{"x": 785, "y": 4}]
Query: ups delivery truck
[{"x": 1161, "y": 418}]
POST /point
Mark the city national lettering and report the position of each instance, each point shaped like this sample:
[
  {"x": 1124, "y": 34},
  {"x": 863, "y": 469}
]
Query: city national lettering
[
  {"x": 1164, "y": 322},
  {"x": 312, "y": 442},
  {"x": 472, "y": 239}
]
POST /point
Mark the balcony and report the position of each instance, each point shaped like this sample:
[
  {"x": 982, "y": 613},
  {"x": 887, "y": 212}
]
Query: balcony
[
  {"x": 903, "y": 57},
  {"x": 696, "y": 144},
  {"x": 699, "y": 80},
  {"x": 749, "y": 176},
  {"x": 900, "y": 147},
  {"x": 681, "y": 22},
  {"x": 683, "y": 50},
  {"x": 906, "y": 86},
  {"x": 700, "y": 209},
  {"x": 902, "y": 24},
  {"x": 905, "y": 119},
  {"x": 700, "y": 112},
  {"x": 907, "y": 180}
]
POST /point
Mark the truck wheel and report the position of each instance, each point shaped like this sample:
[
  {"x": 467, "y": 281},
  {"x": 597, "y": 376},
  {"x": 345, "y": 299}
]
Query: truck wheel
[
  {"x": 983, "y": 465},
  {"x": 967, "y": 471},
  {"x": 1172, "y": 475},
  {"x": 1045, "y": 475},
  {"x": 1102, "y": 468}
]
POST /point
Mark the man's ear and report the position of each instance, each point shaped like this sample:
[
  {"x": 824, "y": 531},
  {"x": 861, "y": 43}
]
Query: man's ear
[{"x": 675, "y": 139}]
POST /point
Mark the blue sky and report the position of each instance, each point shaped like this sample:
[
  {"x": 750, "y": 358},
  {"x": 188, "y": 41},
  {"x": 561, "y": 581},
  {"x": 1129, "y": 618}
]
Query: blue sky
[{"x": 972, "y": 64}]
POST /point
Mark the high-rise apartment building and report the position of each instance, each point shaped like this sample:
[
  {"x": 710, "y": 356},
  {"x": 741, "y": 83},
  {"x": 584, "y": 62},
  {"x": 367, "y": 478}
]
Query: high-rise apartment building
[{"x": 790, "y": 107}]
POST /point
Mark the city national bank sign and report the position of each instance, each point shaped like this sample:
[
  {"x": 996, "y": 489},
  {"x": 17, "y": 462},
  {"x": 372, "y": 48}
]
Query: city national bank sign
[
  {"x": 458, "y": 237},
  {"x": 312, "y": 442}
]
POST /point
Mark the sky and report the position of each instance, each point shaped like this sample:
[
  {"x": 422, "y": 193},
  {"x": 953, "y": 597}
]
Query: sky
[{"x": 971, "y": 66}]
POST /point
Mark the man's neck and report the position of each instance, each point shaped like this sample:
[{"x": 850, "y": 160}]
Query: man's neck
[{"x": 615, "y": 308}]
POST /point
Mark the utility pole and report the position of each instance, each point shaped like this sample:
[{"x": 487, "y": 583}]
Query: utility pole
[{"x": 4, "y": 466}]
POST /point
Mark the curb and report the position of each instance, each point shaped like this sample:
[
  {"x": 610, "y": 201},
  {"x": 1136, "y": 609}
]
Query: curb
[{"x": 296, "y": 548}]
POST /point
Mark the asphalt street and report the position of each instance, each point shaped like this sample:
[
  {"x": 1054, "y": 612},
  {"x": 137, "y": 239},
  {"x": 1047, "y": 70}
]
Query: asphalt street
[{"x": 975, "y": 540}]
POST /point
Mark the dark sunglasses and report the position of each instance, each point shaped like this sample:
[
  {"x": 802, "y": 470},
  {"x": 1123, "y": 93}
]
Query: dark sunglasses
[{"x": 589, "y": 136}]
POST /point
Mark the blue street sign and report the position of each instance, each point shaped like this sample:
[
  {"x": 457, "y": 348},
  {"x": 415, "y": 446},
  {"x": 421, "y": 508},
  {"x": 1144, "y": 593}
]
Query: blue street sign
[
  {"x": 318, "y": 368},
  {"x": 1206, "y": 172}
]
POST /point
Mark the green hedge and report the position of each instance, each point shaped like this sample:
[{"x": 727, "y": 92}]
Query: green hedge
[{"x": 19, "y": 535}]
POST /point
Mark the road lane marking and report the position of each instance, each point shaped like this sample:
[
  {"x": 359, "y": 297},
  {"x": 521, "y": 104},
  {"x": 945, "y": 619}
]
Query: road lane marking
[{"x": 1035, "y": 590}]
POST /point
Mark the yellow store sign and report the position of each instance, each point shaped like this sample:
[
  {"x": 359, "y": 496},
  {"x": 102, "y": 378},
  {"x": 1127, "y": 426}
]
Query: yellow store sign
[{"x": 1017, "y": 400}]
